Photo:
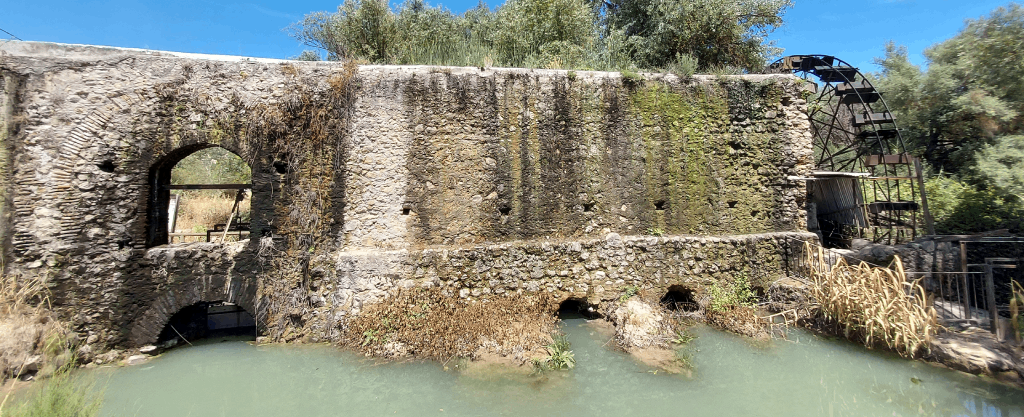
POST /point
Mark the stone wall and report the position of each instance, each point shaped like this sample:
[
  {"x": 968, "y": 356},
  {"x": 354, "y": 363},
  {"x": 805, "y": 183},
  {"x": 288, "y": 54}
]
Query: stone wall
[{"x": 367, "y": 178}]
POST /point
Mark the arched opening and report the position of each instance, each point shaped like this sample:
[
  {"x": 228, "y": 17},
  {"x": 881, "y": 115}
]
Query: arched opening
[
  {"x": 199, "y": 193},
  {"x": 206, "y": 320},
  {"x": 679, "y": 298},
  {"x": 575, "y": 308}
]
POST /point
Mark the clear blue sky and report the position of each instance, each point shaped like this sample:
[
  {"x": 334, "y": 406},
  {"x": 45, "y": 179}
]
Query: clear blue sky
[{"x": 853, "y": 30}]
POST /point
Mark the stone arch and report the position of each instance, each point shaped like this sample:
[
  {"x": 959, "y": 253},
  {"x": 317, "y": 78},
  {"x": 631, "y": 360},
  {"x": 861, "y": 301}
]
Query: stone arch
[
  {"x": 159, "y": 195},
  {"x": 146, "y": 329}
]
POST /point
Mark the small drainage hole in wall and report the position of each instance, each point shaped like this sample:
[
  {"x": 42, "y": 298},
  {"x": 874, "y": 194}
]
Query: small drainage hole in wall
[
  {"x": 588, "y": 207},
  {"x": 679, "y": 298},
  {"x": 732, "y": 204},
  {"x": 406, "y": 211},
  {"x": 281, "y": 167},
  {"x": 107, "y": 166},
  {"x": 576, "y": 308},
  {"x": 504, "y": 210},
  {"x": 659, "y": 205}
]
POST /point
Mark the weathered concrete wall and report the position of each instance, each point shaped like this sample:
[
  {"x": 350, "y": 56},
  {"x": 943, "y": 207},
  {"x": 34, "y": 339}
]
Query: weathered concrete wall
[{"x": 367, "y": 178}]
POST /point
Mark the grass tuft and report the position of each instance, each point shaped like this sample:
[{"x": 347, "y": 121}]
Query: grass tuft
[{"x": 60, "y": 396}]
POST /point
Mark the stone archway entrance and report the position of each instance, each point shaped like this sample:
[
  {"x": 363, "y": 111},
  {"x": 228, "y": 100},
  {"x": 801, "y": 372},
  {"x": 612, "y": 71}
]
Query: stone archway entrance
[
  {"x": 207, "y": 319},
  {"x": 226, "y": 294}
]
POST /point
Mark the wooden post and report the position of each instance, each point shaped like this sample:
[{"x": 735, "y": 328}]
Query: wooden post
[
  {"x": 929, "y": 223},
  {"x": 234, "y": 208},
  {"x": 990, "y": 297},
  {"x": 963, "y": 268}
]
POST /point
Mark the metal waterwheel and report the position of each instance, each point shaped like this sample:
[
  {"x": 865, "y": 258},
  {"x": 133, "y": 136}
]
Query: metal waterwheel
[{"x": 867, "y": 185}]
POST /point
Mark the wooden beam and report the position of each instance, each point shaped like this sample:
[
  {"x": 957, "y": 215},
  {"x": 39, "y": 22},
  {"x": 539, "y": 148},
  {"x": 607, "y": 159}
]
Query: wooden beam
[{"x": 208, "y": 186}]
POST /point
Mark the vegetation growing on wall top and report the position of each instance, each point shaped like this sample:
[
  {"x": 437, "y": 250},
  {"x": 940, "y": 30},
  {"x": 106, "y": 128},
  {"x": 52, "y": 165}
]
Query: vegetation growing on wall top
[{"x": 680, "y": 36}]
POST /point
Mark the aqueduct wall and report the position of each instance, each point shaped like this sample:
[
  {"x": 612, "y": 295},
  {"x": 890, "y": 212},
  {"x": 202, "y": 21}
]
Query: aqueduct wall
[{"x": 371, "y": 178}]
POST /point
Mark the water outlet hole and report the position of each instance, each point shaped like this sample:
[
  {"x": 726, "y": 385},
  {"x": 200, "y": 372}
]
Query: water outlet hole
[{"x": 679, "y": 298}]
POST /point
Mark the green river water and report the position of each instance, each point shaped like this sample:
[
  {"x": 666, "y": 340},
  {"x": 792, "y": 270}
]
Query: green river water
[{"x": 804, "y": 376}]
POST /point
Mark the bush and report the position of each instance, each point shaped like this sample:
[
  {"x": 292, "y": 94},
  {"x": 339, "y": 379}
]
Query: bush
[
  {"x": 560, "y": 356},
  {"x": 960, "y": 208},
  {"x": 726, "y": 296}
]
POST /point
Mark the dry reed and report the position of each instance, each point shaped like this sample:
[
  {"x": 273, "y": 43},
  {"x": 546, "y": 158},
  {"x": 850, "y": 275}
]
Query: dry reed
[
  {"x": 432, "y": 324},
  {"x": 198, "y": 211},
  {"x": 874, "y": 305},
  {"x": 19, "y": 294}
]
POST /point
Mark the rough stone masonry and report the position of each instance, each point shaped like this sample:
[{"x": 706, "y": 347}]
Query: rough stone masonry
[{"x": 478, "y": 181}]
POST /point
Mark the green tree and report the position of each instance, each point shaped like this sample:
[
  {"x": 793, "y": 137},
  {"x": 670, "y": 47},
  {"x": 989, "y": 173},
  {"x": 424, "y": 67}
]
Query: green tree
[
  {"x": 965, "y": 115},
  {"x": 716, "y": 33},
  {"x": 1002, "y": 164},
  {"x": 360, "y": 29},
  {"x": 577, "y": 34},
  {"x": 214, "y": 165},
  {"x": 545, "y": 33},
  {"x": 435, "y": 36},
  {"x": 971, "y": 94}
]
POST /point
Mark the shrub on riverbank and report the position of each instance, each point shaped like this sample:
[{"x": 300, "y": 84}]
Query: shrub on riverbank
[
  {"x": 432, "y": 324},
  {"x": 31, "y": 338},
  {"x": 60, "y": 396},
  {"x": 33, "y": 341}
]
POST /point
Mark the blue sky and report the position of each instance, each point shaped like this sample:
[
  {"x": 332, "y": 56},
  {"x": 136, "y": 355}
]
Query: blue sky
[{"x": 853, "y": 30}]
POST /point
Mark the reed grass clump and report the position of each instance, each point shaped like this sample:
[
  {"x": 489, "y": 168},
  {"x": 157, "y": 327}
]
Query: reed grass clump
[
  {"x": 28, "y": 328},
  {"x": 433, "y": 324},
  {"x": 874, "y": 305},
  {"x": 17, "y": 294},
  {"x": 60, "y": 396},
  {"x": 560, "y": 356}
]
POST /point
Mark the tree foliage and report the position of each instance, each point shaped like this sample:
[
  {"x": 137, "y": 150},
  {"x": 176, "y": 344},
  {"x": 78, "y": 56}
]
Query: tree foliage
[
  {"x": 716, "y": 33},
  {"x": 1002, "y": 164},
  {"x": 965, "y": 114},
  {"x": 214, "y": 165},
  {"x": 971, "y": 94},
  {"x": 579, "y": 34}
]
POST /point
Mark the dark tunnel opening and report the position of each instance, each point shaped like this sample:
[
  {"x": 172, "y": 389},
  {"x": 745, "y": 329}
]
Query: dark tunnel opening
[
  {"x": 206, "y": 320},
  {"x": 679, "y": 298}
]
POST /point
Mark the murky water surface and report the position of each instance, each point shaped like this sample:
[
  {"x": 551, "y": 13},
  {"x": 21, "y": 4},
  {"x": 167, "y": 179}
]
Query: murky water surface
[{"x": 806, "y": 376}]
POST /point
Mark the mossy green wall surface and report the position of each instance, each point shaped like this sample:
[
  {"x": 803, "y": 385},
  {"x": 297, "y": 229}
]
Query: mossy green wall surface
[{"x": 521, "y": 155}]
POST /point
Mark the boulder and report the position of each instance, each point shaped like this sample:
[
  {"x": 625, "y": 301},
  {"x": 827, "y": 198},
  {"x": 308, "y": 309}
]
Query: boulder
[{"x": 975, "y": 353}]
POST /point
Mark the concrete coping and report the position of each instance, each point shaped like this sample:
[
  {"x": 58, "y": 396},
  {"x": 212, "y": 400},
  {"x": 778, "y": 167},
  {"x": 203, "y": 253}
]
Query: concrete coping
[{"x": 79, "y": 52}]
